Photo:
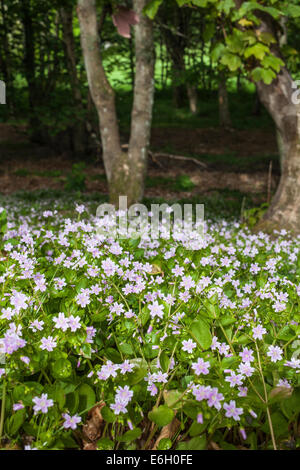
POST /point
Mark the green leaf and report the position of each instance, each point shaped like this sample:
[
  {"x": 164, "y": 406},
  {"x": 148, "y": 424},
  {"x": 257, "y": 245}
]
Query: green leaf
[
  {"x": 268, "y": 76},
  {"x": 130, "y": 436},
  {"x": 200, "y": 331},
  {"x": 164, "y": 444},
  {"x": 233, "y": 62},
  {"x": 126, "y": 348},
  {"x": 171, "y": 398},
  {"x": 197, "y": 443},
  {"x": 105, "y": 444},
  {"x": 164, "y": 361},
  {"x": 61, "y": 369},
  {"x": 291, "y": 405},
  {"x": 218, "y": 51},
  {"x": 197, "y": 428},
  {"x": 162, "y": 415},
  {"x": 72, "y": 402},
  {"x": 16, "y": 421},
  {"x": 152, "y": 8},
  {"x": 271, "y": 61},
  {"x": 292, "y": 10},
  {"x": 108, "y": 415},
  {"x": 258, "y": 51},
  {"x": 87, "y": 397},
  {"x": 139, "y": 372}
]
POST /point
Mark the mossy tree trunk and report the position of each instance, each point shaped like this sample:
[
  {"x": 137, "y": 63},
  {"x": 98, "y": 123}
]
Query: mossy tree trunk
[
  {"x": 284, "y": 211},
  {"x": 125, "y": 170}
]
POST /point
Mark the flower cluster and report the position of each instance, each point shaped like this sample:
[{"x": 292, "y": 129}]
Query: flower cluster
[{"x": 145, "y": 329}]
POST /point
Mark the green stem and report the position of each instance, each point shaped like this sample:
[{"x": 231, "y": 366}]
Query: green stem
[
  {"x": 266, "y": 399},
  {"x": 2, "y": 410},
  {"x": 150, "y": 437}
]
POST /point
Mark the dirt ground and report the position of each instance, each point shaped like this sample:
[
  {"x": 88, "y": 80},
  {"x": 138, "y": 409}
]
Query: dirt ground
[{"x": 18, "y": 154}]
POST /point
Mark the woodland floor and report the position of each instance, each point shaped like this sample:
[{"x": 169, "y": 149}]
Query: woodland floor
[{"x": 236, "y": 160}]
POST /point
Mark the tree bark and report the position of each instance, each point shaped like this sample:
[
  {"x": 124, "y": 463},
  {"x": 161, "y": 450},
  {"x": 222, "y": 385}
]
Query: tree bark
[
  {"x": 192, "y": 96},
  {"x": 284, "y": 211},
  {"x": 30, "y": 67},
  {"x": 125, "y": 171},
  {"x": 101, "y": 91},
  {"x": 128, "y": 175},
  {"x": 5, "y": 62},
  {"x": 224, "y": 113},
  {"x": 141, "y": 116},
  {"x": 78, "y": 131}
]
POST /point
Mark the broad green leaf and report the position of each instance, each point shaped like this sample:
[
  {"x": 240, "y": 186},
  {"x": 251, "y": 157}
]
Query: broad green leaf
[
  {"x": 162, "y": 415},
  {"x": 201, "y": 333},
  {"x": 130, "y": 435},
  {"x": 87, "y": 397},
  {"x": 197, "y": 443}
]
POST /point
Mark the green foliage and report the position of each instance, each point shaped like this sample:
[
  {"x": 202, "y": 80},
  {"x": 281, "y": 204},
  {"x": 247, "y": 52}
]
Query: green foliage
[
  {"x": 76, "y": 178},
  {"x": 252, "y": 216}
]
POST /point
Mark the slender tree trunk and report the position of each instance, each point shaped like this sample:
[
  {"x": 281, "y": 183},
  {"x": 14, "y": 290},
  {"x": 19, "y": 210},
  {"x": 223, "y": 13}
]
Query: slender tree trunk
[
  {"x": 125, "y": 171},
  {"x": 5, "y": 65},
  {"x": 101, "y": 91},
  {"x": 192, "y": 96},
  {"x": 78, "y": 131},
  {"x": 224, "y": 113},
  {"x": 30, "y": 67},
  {"x": 141, "y": 117},
  {"x": 178, "y": 72}
]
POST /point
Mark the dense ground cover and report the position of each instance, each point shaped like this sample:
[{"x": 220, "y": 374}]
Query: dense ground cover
[{"x": 130, "y": 344}]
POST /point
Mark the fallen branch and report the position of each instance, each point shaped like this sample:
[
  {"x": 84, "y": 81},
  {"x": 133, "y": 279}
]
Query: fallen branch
[
  {"x": 179, "y": 157},
  {"x": 155, "y": 155}
]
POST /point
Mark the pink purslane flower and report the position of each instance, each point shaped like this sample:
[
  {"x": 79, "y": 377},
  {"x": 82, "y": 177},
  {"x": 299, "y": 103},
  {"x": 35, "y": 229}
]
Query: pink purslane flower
[
  {"x": 247, "y": 355},
  {"x": 71, "y": 421},
  {"x": 188, "y": 346},
  {"x": 42, "y": 403},
  {"x": 48, "y": 344},
  {"x": 232, "y": 411},
  {"x": 156, "y": 310},
  {"x": 275, "y": 353},
  {"x": 201, "y": 367},
  {"x": 19, "y": 301},
  {"x": 258, "y": 332},
  {"x": 18, "y": 406},
  {"x": 74, "y": 323},
  {"x": 61, "y": 322}
]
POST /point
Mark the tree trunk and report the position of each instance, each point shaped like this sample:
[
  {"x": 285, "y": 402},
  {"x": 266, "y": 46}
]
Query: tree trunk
[
  {"x": 284, "y": 211},
  {"x": 5, "y": 61},
  {"x": 178, "y": 87},
  {"x": 30, "y": 68},
  {"x": 224, "y": 113},
  {"x": 141, "y": 116},
  {"x": 125, "y": 171},
  {"x": 101, "y": 91},
  {"x": 78, "y": 131},
  {"x": 192, "y": 95}
]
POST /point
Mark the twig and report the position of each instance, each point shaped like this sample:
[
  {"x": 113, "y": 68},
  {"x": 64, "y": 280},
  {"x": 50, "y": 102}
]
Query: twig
[
  {"x": 180, "y": 157},
  {"x": 155, "y": 155}
]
